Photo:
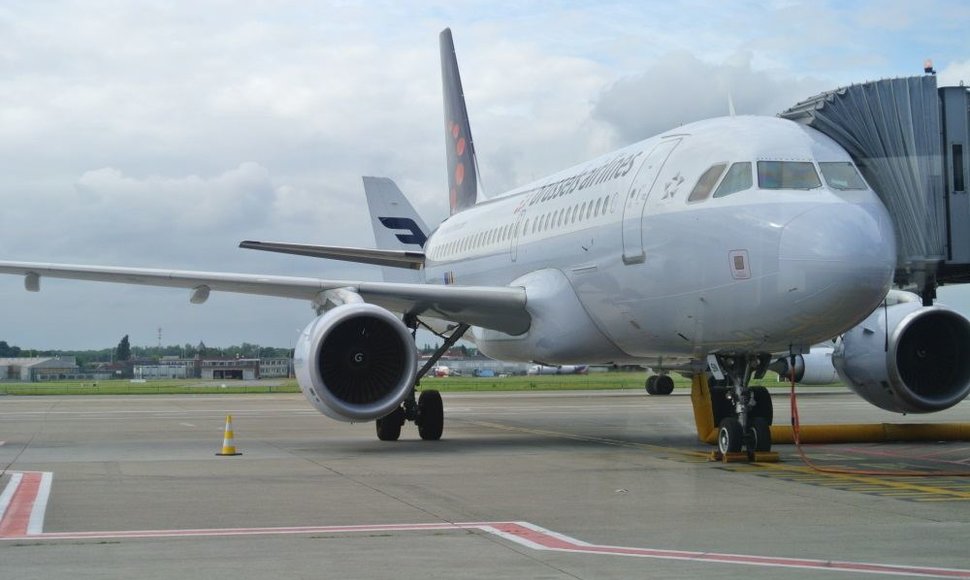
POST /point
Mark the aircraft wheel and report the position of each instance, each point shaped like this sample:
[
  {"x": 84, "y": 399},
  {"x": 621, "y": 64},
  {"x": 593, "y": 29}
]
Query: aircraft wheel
[
  {"x": 762, "y": 404},
  {"x": 664, "y": 385},
  {"x": 431, "y": 415},
  {"x": 730, "y": 437},
  {"x": 389, "y": 427},
  {"x": 651, "y": 385},
  {"x": 759, "y": 435}
]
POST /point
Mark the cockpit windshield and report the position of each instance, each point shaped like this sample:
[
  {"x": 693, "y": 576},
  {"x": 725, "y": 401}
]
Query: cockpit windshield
[
  {"x": 787, "y": 175},
  {"x": 841, "y": 175},
  {"x": 738, "y": 178}
]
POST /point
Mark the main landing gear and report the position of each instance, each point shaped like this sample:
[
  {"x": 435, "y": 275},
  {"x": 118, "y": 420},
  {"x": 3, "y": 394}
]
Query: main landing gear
[
  {"x": 426, "y": 410},
  {"x": 742, "y": 414},
  {"x": 660, "y": 385}
]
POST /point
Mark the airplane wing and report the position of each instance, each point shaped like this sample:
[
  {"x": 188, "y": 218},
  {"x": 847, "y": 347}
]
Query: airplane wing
[
  {"x": 496, "y": 308},
  {"x": 394, "y": 258}
]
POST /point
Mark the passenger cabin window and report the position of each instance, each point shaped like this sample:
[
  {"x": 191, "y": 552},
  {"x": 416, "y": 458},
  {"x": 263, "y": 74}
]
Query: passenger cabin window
[
  {"x": 738, "y": 178},
  {"x": 841, "y": 175},
  {"x": 706, "y": 183},
  {"x": 787, "y": 175}
]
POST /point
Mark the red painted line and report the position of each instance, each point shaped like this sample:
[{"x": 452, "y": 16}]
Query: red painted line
[
  {"x": 525, "y": 534},
  {"x": 17, "y": 516},
  {"x": 15, "y": 524},
  {"x": 543, "y": 539}
]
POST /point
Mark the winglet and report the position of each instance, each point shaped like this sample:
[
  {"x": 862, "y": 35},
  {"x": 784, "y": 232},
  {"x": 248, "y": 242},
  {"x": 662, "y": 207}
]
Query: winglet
[{"x": 462, "y": 163}]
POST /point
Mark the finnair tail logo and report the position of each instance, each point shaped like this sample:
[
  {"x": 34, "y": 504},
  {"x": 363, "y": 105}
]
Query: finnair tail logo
[{"x": 415, "y": 235}]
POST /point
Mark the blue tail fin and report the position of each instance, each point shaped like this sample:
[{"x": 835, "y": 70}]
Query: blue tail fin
[
  {"x": 396, "y": 224},
  {"x": 462, "y": 163}
]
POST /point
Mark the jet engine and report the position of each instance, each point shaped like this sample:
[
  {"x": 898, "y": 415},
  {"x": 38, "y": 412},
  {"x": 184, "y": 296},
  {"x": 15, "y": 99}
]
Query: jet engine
[
  {"x": 356, "y": 362},
  {"x": 907, "y": 358}
]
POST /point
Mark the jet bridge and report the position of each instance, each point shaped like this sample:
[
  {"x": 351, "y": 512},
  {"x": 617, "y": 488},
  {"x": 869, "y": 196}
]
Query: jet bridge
[{"x": 909, "y": 139}]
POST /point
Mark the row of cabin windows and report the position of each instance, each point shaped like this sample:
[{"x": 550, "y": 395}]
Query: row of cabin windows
[
  {"x": 840, "y": 175},
  {"x": 554, "y": 219}
]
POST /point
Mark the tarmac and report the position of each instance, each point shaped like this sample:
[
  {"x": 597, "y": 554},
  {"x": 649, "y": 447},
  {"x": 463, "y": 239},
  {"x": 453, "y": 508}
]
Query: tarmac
[{"x": 524, "y": 485}]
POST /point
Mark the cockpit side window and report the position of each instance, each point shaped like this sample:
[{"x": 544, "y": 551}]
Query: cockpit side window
[
  {"x": 706, "y": 183},
  {"x": 787, "y": 175},
  {"x": 841, "y": 175},
  {"x": 738, "y": 178}
]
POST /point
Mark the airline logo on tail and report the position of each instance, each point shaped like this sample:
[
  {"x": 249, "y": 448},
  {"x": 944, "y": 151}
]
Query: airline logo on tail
[
  {"x": 462, "y": 165},
  {"x": 414, "y": 236}
]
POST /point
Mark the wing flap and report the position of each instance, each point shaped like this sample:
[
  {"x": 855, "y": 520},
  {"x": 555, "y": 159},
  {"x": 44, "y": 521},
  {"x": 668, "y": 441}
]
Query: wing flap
[{"x": 496, "y": 308}]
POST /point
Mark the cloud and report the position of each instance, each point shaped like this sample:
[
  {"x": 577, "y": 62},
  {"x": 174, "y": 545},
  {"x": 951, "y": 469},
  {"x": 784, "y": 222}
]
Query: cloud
[
  {"x": 162, "y": 134},
  {"x": 681, "y": 88},
  {"x": 954, "y": 74}
]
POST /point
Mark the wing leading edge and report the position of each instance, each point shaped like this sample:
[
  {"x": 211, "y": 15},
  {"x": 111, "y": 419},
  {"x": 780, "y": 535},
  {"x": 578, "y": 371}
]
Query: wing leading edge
[{"x": 497, "y": 308}]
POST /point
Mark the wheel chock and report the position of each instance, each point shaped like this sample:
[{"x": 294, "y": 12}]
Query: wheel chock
[
  {"x": 730, "y": 457},
  {"x": 740, "y": 457},
  {"x": 765, "y": 457}
]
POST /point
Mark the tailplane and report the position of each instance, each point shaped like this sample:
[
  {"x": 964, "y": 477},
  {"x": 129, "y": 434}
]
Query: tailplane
[
  {"x": 462, "y": 163},
  {"x": 396, "y": 224}
]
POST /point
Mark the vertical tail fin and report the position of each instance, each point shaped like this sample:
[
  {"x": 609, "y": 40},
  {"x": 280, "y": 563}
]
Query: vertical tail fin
[
  {"x": 397, "y": 225},
  {"x": 462, "y": 163}
]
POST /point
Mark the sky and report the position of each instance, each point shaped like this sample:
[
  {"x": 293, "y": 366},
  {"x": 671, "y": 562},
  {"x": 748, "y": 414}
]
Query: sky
[{"x": 160, "y": 134}]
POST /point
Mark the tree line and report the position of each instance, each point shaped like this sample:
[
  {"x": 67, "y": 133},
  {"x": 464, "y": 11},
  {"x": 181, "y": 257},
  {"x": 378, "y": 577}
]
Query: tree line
[{"x": 126, "y": 351}]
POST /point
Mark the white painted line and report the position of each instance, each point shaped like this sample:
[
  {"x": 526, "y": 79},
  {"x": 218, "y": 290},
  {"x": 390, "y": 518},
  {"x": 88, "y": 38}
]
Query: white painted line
[
  {"x": 8, "y": 492},
  {"x": 537, "y": 538},
  {"x": 36, "y": 523}
]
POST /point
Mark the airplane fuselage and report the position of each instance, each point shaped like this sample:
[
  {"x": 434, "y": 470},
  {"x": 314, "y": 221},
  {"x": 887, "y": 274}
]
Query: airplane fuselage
[{"x": 637, "y": 271}]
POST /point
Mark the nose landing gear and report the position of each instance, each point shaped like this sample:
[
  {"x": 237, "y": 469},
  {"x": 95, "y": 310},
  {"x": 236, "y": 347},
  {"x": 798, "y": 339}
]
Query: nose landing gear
[{"x": 742, "y": 414}]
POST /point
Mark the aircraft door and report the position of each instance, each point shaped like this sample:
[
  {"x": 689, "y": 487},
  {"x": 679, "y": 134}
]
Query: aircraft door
[
  {"x": 514, "y": 249},
  {"x": 636, "y": 200}
]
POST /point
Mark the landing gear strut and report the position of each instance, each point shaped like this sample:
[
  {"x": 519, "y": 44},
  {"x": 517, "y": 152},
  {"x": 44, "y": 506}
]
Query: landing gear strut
[
  {"x": 743, "y": 414},
  {"x": 427, "y": 411}
]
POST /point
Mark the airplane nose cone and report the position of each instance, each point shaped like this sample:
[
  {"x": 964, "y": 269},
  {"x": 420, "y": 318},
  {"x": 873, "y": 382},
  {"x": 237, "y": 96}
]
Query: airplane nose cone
[
  {"x": 840, "y": 234},
  {"x": 836, "y": 263}
]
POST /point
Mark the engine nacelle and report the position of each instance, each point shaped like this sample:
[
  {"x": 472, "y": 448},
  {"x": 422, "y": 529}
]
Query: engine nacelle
[
  {"x": 907, "y": 358},
  {"x": 356, "y": 362},
  {"x": 813, "y": 368}
]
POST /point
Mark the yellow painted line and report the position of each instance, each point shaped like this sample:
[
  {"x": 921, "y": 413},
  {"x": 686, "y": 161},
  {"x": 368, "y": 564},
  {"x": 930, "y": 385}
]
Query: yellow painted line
[
  {"x": 790, "y": 471},
  {"x": 875, "y": 481}
]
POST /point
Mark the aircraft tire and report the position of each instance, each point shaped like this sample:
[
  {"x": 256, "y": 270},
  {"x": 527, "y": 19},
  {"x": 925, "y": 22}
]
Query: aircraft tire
[
  {"x": 431, "y": 415},
  {"x": 759, "y": 435},
  {"x": 664, "y": 385},
  {"x": 730, "y": 437},
  {"x": 389, "y": 427},
  {"x": 651, "y": 385}
]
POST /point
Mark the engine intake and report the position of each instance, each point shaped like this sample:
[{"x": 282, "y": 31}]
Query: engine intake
[
  {"x": 907, "y": 358},
  {"x": 356, "y": 362}
]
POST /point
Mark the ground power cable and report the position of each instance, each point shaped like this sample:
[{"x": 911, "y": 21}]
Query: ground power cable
[{"x": 795, "y": 427}]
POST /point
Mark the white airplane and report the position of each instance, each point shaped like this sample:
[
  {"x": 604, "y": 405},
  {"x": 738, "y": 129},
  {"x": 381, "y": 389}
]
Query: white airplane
[
  {"x": 558, "y": 370},
  {"x": 720, "y": 244}
]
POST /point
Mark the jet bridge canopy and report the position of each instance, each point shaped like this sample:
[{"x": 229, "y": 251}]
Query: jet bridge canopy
[{"x": 909, "y": 140}]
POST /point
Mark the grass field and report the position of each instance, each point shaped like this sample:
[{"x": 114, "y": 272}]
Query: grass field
[{"x": 594, "y": 381}]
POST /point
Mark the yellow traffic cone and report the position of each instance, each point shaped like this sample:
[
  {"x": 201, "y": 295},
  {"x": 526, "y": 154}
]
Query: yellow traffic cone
[{"x": 228, "y": 446}]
